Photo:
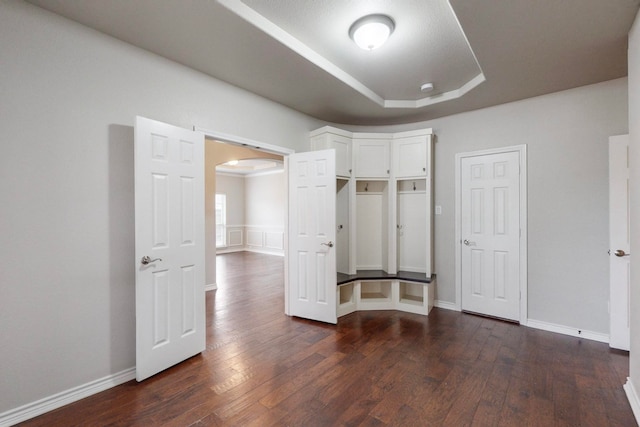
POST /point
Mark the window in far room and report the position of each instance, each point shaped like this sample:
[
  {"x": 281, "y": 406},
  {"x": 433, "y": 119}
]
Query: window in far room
[{"x": 221, "y": 220}]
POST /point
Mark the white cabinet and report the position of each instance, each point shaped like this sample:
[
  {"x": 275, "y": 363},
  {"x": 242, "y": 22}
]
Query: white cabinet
[
  {"x": 385, "y": 294},
  {"x": 343, "y": 227},
  {"x": 372, "y": 225},
  {"x": 371, "y": 158},
  {"x": 412, "y": 226},
  {"x": 384, "y": 202},
  {"x": 340, "y": 140},
  {"x": 411, "y": 155}
]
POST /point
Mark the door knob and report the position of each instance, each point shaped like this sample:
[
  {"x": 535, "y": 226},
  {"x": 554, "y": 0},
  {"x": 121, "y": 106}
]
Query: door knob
[
  {"x": 468, "y": 243},
  {"x": 330, "y": 244},
  {"x": 147, "y": 260},
  {"x": 620, "y": 253}
]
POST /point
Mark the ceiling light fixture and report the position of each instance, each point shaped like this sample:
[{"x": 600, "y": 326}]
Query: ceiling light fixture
[
  {"x": 371, "y": 31},
  {"x": 232, "y": 163},
  {"x": 427, "y": 87}
]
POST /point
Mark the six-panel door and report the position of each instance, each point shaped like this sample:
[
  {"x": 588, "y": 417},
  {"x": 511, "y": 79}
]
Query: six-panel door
[{"x": 169, "y": 218}]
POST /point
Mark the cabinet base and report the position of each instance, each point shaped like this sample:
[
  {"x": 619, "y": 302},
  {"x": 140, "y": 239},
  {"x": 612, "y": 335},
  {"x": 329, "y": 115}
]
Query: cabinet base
[{"x": 401, "y": 295}]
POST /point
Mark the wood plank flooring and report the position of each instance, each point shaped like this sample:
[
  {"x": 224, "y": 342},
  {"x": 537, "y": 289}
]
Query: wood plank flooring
[{"x": 382, "y": 368}]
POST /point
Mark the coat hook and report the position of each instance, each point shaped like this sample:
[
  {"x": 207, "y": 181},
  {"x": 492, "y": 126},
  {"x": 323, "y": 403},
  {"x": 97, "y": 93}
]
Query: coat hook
[
  {"x": 366, "y": 186},
  {"x": 414, "y": 186}
]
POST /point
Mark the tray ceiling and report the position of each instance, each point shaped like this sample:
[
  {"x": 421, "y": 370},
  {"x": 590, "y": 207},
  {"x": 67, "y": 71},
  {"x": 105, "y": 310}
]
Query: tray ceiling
[{"x": 298, "y": 52}]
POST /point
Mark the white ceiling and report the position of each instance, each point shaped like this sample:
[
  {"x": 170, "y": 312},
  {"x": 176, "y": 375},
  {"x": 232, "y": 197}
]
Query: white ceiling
[
  {"x": 477, "y": 53},
  {"x": 251, "y": 166}
]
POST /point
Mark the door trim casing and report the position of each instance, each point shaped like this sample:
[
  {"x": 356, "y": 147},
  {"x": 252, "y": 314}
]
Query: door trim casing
[
  {"x": 522, "y": 151},
  {"x": 275, "y": 149}
]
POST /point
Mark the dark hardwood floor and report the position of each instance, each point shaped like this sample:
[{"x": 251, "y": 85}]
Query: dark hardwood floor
[{"x": 382, "y": 368}]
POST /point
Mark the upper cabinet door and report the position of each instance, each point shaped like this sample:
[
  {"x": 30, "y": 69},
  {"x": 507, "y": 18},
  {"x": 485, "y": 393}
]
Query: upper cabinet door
[
  {"x": 342, "y": 145},
  {"x": 410, "y": 157},
  {"x": 372, "y": 158}
]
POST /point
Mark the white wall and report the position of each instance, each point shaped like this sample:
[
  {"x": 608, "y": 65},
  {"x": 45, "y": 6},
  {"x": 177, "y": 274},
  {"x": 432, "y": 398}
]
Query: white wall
[
  {"x": 266, "y": 200},
  {"x": 256, "y": 207},
  {"x": 234, "y": 187},
  {"x": 634, "y": 134},
  {"x": 567, "y": 140},
  {"x": 266, "y": 203},
  {"x": 68, "y": 98}
]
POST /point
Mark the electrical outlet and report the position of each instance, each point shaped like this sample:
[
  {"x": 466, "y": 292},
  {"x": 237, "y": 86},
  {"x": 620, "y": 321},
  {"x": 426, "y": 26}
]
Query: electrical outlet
[{"x": 438, "y": 210}]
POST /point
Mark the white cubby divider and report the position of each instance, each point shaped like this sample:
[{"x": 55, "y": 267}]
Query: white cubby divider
[{"x": 385, "y": 294}]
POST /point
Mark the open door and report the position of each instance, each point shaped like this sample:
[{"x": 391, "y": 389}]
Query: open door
[
  {"x": 169, "y": 236},
  {"x": 312, "y": 235},
  {"x": 619, "y": 237}
]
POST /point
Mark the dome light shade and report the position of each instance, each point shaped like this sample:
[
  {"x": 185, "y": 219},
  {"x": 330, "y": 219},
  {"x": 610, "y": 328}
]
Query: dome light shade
[{"x": 370, "y": 32}]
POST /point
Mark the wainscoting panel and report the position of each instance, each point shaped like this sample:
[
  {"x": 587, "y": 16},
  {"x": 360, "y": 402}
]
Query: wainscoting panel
[
  {"x": 267, "y": 240},
  {"x": 255, "y": 238},
  {"x": 274, "y": 240},
  {"x": 234, "y": 236}
]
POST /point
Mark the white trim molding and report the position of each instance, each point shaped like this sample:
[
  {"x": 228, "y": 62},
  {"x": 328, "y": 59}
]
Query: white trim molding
[
  {"x": 66, "y": 397},
  {"x": 445, "y": 305},
  {"x": 242, "y": 141},
  {"x": 632, "y": 396},
  {"x": 567, "y": 330},
  {"x": 235, "y": 235},
  {"x": 254, "y": 238},
  {"x": 522, "y": 151}
]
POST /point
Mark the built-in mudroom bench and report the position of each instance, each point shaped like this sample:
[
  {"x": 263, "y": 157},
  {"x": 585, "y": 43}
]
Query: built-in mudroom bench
[
  {"x": 377, "y": 290},
  {"x": 384, "y": 221}
]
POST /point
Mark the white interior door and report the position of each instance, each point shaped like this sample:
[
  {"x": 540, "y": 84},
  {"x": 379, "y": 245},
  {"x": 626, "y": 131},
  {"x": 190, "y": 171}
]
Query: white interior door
[
  {"x": 619, "y": 221},
  {"x": 490, "y": 234},
  {"x": 312, "y": 235},
  {"x": 169, "y": 220}
]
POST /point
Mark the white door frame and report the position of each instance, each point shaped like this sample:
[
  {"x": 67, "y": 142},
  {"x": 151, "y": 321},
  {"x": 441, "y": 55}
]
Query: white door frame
[
  {"x": 269, "y": 148},
  {"x": 522, "y": 150}
]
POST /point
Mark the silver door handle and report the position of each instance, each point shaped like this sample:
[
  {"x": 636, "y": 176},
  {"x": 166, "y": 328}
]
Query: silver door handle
[
  {"x": 330, "y": 244},
  {"x": 468, "y": 243},
  {"x": 620, "y": 253},
  {"x": 147, "y": 260}
]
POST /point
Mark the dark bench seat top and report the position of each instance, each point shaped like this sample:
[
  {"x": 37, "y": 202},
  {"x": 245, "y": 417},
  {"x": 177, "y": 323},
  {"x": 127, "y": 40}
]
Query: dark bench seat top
[{"x": 383, "y": 275}]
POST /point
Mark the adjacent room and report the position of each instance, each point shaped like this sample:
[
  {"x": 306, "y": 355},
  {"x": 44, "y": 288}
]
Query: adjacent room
[{"x": 238, "y": 212}]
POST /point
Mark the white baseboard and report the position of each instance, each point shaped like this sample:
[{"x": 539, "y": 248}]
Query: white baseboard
[
  {"x": 211, "y": 287},
  {"x": 229, "y": 250},
  {"x": 446, "y": 305},
  {"x": 630, "y": 391},
  {"x": 265, "y": 251},
  {"x": 58, "y": 400},
  {"x": 566, "y": 330}
]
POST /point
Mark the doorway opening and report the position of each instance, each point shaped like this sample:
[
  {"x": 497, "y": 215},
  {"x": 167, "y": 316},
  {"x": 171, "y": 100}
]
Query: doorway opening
[{"x": 220, "y": 150}]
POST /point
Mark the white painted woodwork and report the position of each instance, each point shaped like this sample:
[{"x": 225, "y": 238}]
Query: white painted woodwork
[
  {"x": 234, "y": 236},
  {"x": 619, "y": 238},
  {"x": 329, "y": 137},
  {"x": 393, "y": 294},
  {"x": 312, "y": 232},
  {"x": 369, "y": 205},
  {"x": 412, "y": 225},
  {"x": 169, "y": 225},
  {"x": 411, "y": 156},
  {"x": 372, "y": 225},
  {"x": 371, "y": 157},
  {"x": 343, "y": 229},
  {"x": 490, "y": 224}
]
